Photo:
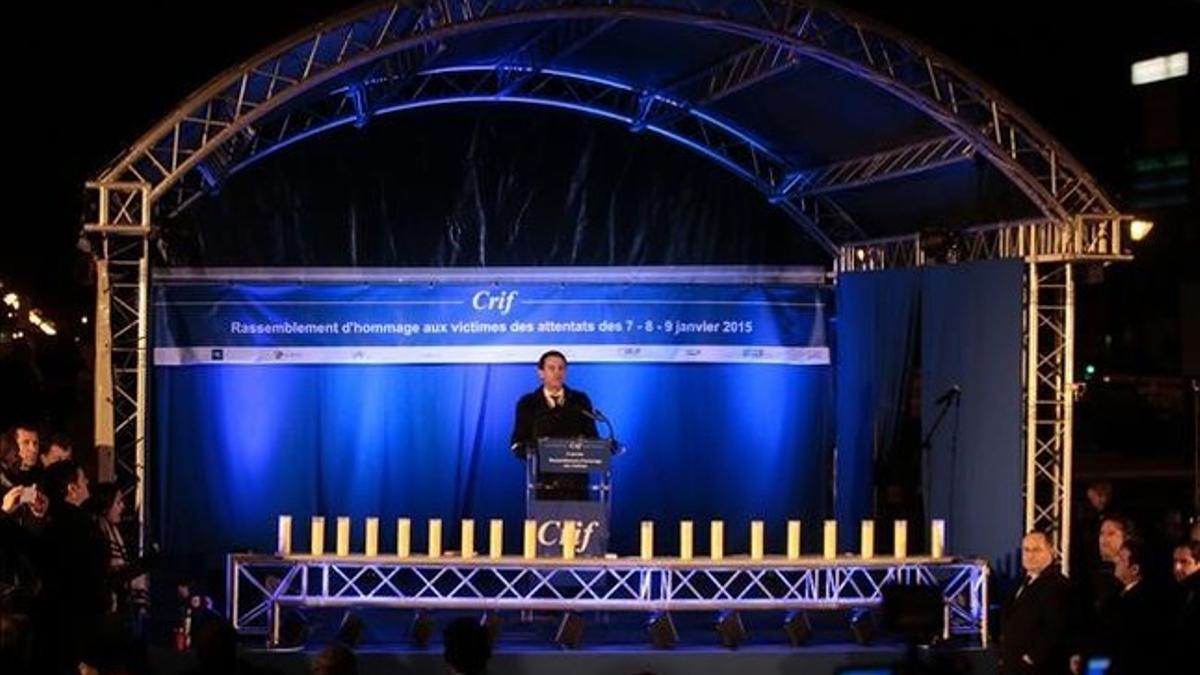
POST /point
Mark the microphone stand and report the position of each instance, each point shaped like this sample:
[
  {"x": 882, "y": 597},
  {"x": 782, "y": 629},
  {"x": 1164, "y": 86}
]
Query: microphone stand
[
  {"x": 955, "y": 399},
  {"x": 596, "y": 416}
]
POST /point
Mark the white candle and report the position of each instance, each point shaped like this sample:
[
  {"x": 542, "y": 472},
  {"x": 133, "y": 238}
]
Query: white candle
[
  {"x": 937, "y": 543},
  {"x": 495, "y": 538},
  {"x": 284, "y": 546},
  {"x": 318, "y": 535},
  {"x": 647, "y": 540},
  {"x": 403, "y": 537},
  {"x": 756, "y": 540},
  {"x": 830, "y": 539},
  {"x": 793, "y": 540},
  {"x": 468, "y": 538},
  {"x": 372, "y": 537},
  {"x": 716, "y": 536},
  {"x": 685, "y": 540},
  {"x": 530, "y": 540},
  {"x": 900, "y": 535},
  {"x": 343, "y": 536},
  {"x": 867, "y": 545},
  {"x": 435, "y": 537}
]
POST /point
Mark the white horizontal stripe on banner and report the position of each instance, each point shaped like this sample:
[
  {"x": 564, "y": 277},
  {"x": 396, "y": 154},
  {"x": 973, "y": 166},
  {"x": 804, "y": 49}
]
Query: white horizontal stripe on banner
[{"x": 796, "y": 356}]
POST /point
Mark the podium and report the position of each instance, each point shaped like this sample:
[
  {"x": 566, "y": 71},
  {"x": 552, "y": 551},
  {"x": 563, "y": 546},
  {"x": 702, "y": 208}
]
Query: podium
[{"x": 570, "y": 479}]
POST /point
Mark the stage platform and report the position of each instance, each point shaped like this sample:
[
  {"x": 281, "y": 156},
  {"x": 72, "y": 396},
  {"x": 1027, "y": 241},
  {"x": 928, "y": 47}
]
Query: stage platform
[{"x": 262, "y": 589}]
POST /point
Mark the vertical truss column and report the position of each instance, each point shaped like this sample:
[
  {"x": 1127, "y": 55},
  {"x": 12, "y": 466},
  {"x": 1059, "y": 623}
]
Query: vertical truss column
[
  {"x": 120, "y": 239},
  {"x": 1049, "y": 346}
]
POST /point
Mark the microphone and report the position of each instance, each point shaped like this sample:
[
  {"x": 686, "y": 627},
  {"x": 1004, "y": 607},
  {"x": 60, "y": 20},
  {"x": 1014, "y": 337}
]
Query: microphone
[
  {"x": 953, "y": 392},
  {"x": 596, "y": 415}
]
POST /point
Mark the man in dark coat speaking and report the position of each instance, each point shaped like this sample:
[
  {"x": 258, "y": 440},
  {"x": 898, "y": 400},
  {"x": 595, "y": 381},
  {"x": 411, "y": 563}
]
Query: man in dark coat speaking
[{"x": 554, "y": 411}]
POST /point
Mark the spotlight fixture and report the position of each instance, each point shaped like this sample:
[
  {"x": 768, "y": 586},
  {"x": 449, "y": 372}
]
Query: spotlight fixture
[{"x": 1139, "y": 229}]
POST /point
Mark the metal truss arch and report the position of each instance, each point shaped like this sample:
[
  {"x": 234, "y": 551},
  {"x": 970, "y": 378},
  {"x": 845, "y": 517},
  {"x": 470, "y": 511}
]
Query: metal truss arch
[{"x": 180, "y": 154}]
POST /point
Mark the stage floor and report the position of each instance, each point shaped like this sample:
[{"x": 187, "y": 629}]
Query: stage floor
[
  {"x": 614, "y": 644},
  {"x": 615, "y": 660}
]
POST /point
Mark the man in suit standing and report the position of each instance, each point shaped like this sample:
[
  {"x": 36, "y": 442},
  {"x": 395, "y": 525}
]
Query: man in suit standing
[
  {"x": 1186, "y": 625},
  {"x": 1033, "y": 637},
  {"x": 1138, "y": 637},
  {"x": 554, "y": 410}
]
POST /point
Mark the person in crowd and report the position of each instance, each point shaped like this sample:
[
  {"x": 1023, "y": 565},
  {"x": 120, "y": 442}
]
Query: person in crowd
[
  {"x": 19, "y": 450},
  {"x": 467, "y": 647},
  {"x": 1033, "y": 637},
  {"x": 1185, "y": 566},
  {"x": 215, "y": 647},
  {"x": 60, "y": 448},
  {"x": 1136, "y": 641},
  {"x": 19, "y": 586},
  {"x": 127, "y": 580},
  {"x": 16, "y": 644},
  {"x": 1085, "y": 529},
  {"x": 1096, "y": 589},
  {"x": 74, "y": 567},
  {"x": 1115, "y": 530}
]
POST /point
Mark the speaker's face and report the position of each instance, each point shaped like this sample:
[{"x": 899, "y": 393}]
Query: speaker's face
[{"x": 553, "y": 373}]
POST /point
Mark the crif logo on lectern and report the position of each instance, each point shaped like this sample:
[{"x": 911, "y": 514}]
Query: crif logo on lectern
[{"x": 590, "y": 519}]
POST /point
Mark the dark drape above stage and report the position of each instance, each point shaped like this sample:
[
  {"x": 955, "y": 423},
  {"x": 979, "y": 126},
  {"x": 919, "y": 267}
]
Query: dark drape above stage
[{"x": 486, "y": 186}]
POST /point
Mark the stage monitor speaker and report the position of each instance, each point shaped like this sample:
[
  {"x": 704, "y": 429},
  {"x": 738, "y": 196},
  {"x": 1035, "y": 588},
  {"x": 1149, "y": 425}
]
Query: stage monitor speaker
[
  {"x": 862, "y": 626},
  {"x": 913, "y": 611},
  {"x": 494, "y": 626},
  {"x": 293, "y": 629},
  {"x": 730, "y": 629},
  {"x": 662, "y": 631},
  {"x": 798, "y": 628},
  {"x": 570, "y": 631},
  {"x": 351, "y": 630},
  {"x": 422, "y": 629}
]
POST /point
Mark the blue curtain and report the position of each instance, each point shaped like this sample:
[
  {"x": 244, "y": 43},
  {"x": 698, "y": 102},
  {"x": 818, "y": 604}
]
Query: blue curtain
[
  {"x": 969, "y": 319},
  {"x": 875, "y": 338},
  {"x": 971, "y": 338},
  {"x": 238, "y": 445}
]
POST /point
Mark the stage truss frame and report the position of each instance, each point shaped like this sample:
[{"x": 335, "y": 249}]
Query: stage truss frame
[
  {"x": 383, "y": 58},
  {"x": 260, "y": 587}
]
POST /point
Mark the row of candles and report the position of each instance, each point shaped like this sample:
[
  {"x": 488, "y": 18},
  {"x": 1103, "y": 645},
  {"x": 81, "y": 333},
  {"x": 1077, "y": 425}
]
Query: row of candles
[{"x": 569, "y": 539}]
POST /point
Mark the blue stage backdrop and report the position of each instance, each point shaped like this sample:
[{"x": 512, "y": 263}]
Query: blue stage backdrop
[{"x": 397, "y": 399}]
